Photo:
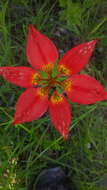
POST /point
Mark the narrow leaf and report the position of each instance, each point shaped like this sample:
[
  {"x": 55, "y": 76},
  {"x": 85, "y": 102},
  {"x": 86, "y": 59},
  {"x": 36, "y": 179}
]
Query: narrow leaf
[
  {"x": 61, "y": 78},
  {"x": 44, "y": 74},
  {"x": 55, "y": 70},
  {"x": 59, "y": 89}
]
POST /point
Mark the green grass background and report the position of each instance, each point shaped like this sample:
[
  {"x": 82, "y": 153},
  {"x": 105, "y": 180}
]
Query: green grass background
[{"x": 27, "y": 149}]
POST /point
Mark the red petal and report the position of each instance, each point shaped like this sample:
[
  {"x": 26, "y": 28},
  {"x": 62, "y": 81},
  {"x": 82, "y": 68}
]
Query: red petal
[
  {"x": 105, "y": 95},
  {"x": 40, "y": 49},
  {"x": 86, "y": 90},
  {"x": 30, "y": 106},
  {"x": 60, "y": 116},
  {"x": 21, "y": 76},
  {"x": 76, "y": 58}
]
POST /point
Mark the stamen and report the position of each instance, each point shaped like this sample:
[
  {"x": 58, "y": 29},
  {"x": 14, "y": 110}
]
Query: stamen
[
  {"x": 64, "y": 70},
  {"x": 56, "y": 98},
  {"x": 36, "y": 77},
  {"x": 67, "y": 85},
  {"x": 48, "y": 68},
  {"x": 43, "y": 91}
]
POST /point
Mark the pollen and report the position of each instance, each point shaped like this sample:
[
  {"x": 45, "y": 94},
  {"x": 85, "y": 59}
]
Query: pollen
[
  {"x": 67, "y": 85},
  {"x": 36, "y": 77},
  {"x": 64, "y": 70},
  {"x": 48, "y": 67},
  {"x": 43, "y": 91},
  {"x": 56, "y": 98}
]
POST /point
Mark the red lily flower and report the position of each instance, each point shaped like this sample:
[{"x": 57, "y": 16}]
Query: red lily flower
[{"x": 48, "y": 82}]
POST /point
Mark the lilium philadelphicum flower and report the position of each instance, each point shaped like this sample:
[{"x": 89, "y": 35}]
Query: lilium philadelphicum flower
[{"x": 50, "y": 84}]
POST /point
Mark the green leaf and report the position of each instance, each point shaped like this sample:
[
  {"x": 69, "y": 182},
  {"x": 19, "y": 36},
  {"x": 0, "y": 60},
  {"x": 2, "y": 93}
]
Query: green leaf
[
  {"x": 43, "y": 82},
  {"x": 59, "y": 89},
  {"x": 61, "y": 78},
  {"x": 63, "y": 3},
  {"x": 44, "y": 74},
  {"x": 72, "y": 14},
  {"x": 51, "y": 91},
  {"x": 44, "y": 85},
  {"x": 55, "y": 70}
]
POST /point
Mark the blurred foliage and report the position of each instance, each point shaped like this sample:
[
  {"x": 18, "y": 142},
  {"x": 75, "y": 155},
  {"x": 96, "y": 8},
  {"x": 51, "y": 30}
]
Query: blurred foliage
[{"x": 84, "y": 18}]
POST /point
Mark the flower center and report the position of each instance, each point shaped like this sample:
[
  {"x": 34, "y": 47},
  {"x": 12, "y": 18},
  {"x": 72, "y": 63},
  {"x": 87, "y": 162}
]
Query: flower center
[{"x": 52, "y": 78}]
